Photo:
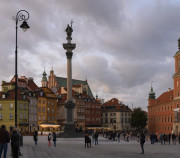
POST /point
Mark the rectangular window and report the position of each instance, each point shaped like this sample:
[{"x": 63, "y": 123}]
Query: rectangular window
[
  {"x": 122, "y": 120},
  {"x": 1, "y": 106},
  {"x": 52, "y": 118},
  {"x": 39, "y": 118},
  {"x": 25, "y": 117},
  {"x": 177, "y": 105},
  {"x": 20, "y": 116},
  {"x": 10, "y": 116},
  {"x": 39, "y": 100},
  {"x": 39, "y": 109},
  {"x": 43, "y": 118},
  {"x": 43, "y": 101},
  {"x": 52, "y": 110},
  {"x": 20, "y": 106},
  {"x": 41, "y": 94},
  {"x": 11, "y": 106},
  {"x": 49, "y": 118},
  {"x": 25, "y": 106},
  {"x": 43, "y": 109},
  {"x": 1, "y": 116}
]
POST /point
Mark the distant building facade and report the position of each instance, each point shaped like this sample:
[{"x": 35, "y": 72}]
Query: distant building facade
[
  {"x": 163, "y": 112},
  {"x": 116, "y": 115}
]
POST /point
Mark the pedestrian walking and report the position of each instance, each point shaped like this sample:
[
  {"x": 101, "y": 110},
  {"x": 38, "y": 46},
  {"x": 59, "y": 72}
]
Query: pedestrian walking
[
  {"x": 142, "y": 141},
  {"x": 118, "y": 137},
  {"x": 93, "y": 137},
  {"x": 4, "y": 140},
  {"x": 174, "y": 139},
  {"x": 169, "y": 138},
  {"x": 49, "y": 139},
  {"x": 124, "y": 135},
  {"x": 35, "y": 137},
  {"x": 87, "y": 141},
  {"x": 127, "y": 137},
  {"x": 161, "y": 139},
  {"x": 164, "y": 138},
  {"x": 179, "y": 138},
  {"x": 54, "y": 139},
  {"x": 96, "y": 135},
  {"x": 15, "y": 143}
]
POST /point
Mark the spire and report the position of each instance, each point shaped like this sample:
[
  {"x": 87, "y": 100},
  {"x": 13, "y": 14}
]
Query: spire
[
  {"x": 152, "y": 93},
  {"x": 96, "y": 96},
  {"x": 44, "y": 78}
]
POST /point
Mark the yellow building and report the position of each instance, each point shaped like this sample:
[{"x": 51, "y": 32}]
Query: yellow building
[
  {"x": 7, "y": 109},
  {"x": 46, "y": 109}
]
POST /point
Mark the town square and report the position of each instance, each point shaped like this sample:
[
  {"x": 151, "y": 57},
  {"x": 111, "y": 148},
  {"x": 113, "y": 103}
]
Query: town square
[{"x": 88, "y": 78}]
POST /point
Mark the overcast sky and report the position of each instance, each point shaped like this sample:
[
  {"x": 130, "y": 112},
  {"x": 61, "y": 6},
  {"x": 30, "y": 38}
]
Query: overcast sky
[{"x": 121, "y": 45}]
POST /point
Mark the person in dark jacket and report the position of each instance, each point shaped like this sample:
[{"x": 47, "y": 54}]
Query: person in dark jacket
[
  {"x": 96, "y": 135},
  {"x": 35, "y": 137},
  {"x": 142, "y": 141},
  {"x": 15, "y": 139},
  {"x": 164, "y": 138},
  {"x": 169, "y": 138},
  {"x": 54, "y": 139},
  {"x": 179, "y": 138},
  {"x": 4, "y": 140}
]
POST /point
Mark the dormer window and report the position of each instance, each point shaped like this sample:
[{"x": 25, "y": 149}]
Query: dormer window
[
  {"x": 41, "y": 94},
  {"x": 24, "y": 97},
  {"x": 3, "y": 96}
]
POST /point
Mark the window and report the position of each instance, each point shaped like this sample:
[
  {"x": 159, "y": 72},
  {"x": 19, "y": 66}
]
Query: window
[
  {"x": 52, "y": 110},
  {"x": 114, "y": 114},
  {"x": 114, "y": 120},
  {"x": 43, "y": 101},
  {"x": 122, "y": 114},
  {"x": 3, "y": 96},
  {"x": 52, "y": 118},
  {"x": 52, "y": 103},
  {"x": 20, "y": 116},
  {"x": 25, "y": 117},
  {"x": 43, "y": 118},
  {"x": 41, "y": 94},
  {"x": 11, "y": 106},
  {"x": 1, "y": 116},
  {"x": 1, "y": 106},
  {"x": 39, "y": 109},
  {"x": 49, "y": 118},
  {"x": 129, "y": 120},
  {"x": 43, "y": 109},
  {"x": 122, "y": 120},
  {"x": 177, "y": 105},
  {"x": 106, "y": 120},
  {"x": 48, "y": 109},
  {"x": 39, "y": 118},
  {"x": 125, "y": 120},
  {"x": 24, "y": 97},
  {"x": 10, "y": 116},
  {"x": 165, "y": 119},
  {"x": 162, "y": 119},
  {"x": 20, "y": 106},
  {"x": 29, "y": 94},
  {"x": 39, "y": 100},
  {"x": 25, "y": 107}
]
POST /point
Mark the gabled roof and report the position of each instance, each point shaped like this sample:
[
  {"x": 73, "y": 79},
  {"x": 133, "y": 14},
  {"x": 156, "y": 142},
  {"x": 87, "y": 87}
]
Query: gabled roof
[{"x": 62, "y": 82}]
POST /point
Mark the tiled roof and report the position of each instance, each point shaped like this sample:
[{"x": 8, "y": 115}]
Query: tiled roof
[
  {"x": 10, "y": 95},
  {"x": 31, "y": 85},
  {"x": 165, "y": 97},
  {"x": 62, "y": 82},
  {"x": 8, "y": 83},
  {"x": 115, "y": 104}
]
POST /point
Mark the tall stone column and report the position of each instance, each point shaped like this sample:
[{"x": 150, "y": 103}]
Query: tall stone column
[{"x": 69, "y": 129}]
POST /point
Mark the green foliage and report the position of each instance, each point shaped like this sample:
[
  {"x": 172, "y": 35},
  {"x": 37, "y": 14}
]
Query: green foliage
[{"x": 138, "y": 119}]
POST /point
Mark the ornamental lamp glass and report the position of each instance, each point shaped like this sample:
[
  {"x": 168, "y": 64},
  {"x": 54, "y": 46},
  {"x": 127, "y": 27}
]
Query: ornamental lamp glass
[{"x": 24, "y": 26}]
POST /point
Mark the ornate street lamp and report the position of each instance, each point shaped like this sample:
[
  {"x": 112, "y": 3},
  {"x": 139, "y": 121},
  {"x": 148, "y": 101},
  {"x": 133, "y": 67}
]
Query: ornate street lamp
[{"x": 19, "y": 17}]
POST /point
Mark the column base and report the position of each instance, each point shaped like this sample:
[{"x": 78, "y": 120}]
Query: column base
[{"x": 70, "y": 132}]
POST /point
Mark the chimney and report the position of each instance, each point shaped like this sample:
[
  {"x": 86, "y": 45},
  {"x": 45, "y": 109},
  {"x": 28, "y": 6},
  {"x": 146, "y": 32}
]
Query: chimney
[{"x": 169, "y": 89}]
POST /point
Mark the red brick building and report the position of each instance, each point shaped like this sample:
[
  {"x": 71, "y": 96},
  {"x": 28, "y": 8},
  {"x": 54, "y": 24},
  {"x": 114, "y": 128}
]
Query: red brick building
[{"x": 163, "y": 112}]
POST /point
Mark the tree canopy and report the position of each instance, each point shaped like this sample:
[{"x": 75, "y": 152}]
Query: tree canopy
[{"x": 138, "y": 119}]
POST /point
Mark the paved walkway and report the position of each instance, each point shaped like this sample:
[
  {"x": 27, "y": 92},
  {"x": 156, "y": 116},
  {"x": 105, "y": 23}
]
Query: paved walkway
[{"x": 74, "y": 148}]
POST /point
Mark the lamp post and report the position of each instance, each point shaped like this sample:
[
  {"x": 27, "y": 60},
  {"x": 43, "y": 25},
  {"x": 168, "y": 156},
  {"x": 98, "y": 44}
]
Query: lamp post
[{"x": 19, "y": 17}]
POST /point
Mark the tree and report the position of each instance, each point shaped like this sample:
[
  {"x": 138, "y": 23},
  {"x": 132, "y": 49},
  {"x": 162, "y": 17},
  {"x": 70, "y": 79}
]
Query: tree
[{"x": 138, "y": 119}]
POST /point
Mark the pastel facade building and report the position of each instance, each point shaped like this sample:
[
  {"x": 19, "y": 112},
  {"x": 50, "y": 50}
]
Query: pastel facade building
[{"x": 116, "y": 115}]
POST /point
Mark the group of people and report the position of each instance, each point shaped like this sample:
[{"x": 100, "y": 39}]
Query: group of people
[
  {"x": 6, "y": 137},
  {"x": 94, "y": 139},
  {"x": 164, "y": 138},
  {"x": 50, "y": 137}
]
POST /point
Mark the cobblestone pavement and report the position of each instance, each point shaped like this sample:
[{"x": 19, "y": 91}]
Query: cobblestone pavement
[{"x": 74, "y": 148}]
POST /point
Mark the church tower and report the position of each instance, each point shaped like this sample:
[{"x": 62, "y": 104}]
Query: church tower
[
  {"x": 176, "y": 76},
  {"x": 152, "y": 97},
  {"x": 44, "y": 79}
]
